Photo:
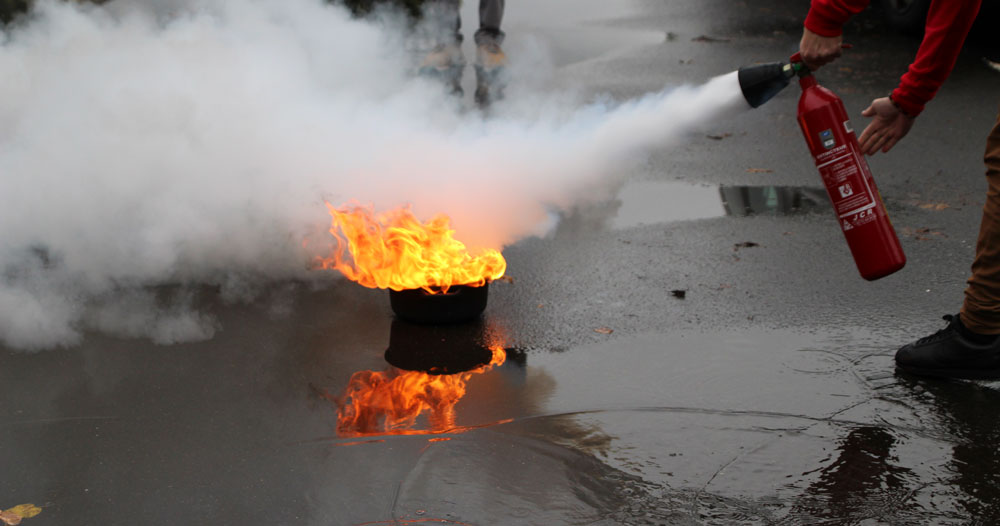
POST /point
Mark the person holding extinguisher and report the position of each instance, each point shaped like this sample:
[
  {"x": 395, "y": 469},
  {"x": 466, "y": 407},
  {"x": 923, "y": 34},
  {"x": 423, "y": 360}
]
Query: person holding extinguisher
[{"x": 969, "y": 346}]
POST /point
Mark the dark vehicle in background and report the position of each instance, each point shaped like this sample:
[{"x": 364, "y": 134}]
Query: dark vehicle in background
[{"x": 909, "y": 16}]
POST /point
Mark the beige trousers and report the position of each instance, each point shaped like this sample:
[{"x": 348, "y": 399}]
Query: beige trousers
[{"x": 981, "y": 309}]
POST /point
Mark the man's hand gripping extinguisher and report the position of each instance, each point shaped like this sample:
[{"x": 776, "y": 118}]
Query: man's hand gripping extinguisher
[{"x": 845, "y": 173}]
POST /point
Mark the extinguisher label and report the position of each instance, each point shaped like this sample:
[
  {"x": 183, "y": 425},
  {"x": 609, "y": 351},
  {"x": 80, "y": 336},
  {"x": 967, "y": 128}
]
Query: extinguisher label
[
  {"x": 848, "y": 189},
  {"x": 826, "y": 139}
]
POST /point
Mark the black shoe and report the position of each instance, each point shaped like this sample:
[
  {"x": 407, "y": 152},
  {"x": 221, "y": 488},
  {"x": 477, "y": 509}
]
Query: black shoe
[{"x": 950, "y": 354}]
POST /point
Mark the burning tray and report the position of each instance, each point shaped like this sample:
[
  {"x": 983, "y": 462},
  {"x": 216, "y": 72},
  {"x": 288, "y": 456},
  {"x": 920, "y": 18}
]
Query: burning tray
[{"x": 460, "y": 303}]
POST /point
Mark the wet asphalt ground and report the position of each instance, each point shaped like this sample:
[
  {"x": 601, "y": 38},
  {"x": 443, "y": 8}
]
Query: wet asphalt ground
[{"x": 719, "y": 362}]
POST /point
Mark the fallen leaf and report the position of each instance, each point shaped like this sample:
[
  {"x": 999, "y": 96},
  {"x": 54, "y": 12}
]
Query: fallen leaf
[
  {"x": 679, "y": 293},
  {"x": 540, "y": 305},
  {"x": 934, "y": 206},
  {"x": 10, "y": 518},
  {"x": 760, "y": 170},
  {"x": 604, "y": 330},
  {"x": 505, "y": 279},
  {"x": 745, "y": 244},
  {"x": 25, "y": 511},
  {"x": 922, "y": 234}
]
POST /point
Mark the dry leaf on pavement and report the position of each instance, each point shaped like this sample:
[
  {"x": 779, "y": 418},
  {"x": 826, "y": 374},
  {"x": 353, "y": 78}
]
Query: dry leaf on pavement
[{"x": 13, "y": 516}]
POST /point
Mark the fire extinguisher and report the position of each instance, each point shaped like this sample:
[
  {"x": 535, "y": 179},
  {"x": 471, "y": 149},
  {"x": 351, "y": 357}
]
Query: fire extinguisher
[{"x": 841, "y": 164}]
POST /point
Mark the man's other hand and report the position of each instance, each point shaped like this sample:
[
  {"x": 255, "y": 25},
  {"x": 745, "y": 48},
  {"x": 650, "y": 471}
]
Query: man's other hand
[
  {"x": 818, "y": 50},
  {"x": 888, "y": 127}
]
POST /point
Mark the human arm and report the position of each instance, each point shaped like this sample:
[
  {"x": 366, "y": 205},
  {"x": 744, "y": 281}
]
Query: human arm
[
  {"x": 822, "y": 35},
  {"x": 948, "y": 23}
]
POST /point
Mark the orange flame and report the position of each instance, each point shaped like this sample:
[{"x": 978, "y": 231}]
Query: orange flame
[
  {"x": 390, "y": 401},
  {"x": 394, "y": 250}
]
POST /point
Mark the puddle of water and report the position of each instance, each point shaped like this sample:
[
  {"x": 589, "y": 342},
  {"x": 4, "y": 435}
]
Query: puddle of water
[
  {"x": 729, "y": 427},
  {"x": 775, "y": 200},
  {"x": 647, "y": 203}
]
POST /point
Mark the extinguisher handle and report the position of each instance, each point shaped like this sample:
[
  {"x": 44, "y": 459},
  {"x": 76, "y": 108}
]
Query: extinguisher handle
[{"x": 797, "y": 57}]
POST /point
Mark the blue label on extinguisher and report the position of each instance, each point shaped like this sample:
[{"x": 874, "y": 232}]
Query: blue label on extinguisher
[{"x": 826, "y": 138}]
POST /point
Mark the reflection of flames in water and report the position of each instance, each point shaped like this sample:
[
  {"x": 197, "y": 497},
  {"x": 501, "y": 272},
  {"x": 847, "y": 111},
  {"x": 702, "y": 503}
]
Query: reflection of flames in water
[
  {"x": 394, "y": 250},
  {"x": 389, "y": 402}
]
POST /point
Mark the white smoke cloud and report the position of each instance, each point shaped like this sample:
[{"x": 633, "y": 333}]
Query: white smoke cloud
[{"x": 194, "y": 143}]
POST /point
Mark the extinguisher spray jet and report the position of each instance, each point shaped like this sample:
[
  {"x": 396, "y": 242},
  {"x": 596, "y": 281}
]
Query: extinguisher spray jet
[{"x": 841, "y": 164}]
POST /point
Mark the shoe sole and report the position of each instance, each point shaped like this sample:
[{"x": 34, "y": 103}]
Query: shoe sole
[{"x": 959, "y": 374}]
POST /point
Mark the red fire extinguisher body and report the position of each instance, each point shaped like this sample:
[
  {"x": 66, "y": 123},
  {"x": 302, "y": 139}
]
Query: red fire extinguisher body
[{"x": 849, "y": 183}]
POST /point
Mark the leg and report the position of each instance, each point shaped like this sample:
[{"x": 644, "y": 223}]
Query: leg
[
  {"x": 443, "y": 20},
  {"x": 490, "y": 18},
  {"x": 981, "y": 310},
  {"x": 490, "y": 58},
  {"x": 969, "y": 347},
  {"x": 442, "y": 24}
]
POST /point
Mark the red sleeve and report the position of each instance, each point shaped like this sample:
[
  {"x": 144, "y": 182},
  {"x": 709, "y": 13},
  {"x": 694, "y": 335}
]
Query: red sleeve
[
  {"x": 826, "y": 18},
  {"x": 948, "y": 22}
]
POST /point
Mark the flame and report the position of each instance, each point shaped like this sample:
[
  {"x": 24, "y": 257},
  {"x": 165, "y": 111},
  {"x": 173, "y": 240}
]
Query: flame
[
  {"x": 390, "y": 401},
  {"x": 394, "y": 250}
]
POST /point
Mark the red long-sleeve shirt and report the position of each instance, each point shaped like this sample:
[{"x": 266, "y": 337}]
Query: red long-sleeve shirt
[{"x": 948, "y": 23}]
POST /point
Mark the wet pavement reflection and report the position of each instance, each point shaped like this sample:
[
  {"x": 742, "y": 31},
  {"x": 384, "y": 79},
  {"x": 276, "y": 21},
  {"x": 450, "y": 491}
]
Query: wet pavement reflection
[
  {"x": 299, "y": 426},
  {"x": 967, "y": 415},
  {"x": 750, "y": 200},
  {"x": 430, "y": 366},
  {"x": 862, "y": 479}
]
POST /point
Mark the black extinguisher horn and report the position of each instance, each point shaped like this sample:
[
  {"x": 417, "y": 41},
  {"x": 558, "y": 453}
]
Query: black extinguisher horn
[{"x": 760, "y": 82}]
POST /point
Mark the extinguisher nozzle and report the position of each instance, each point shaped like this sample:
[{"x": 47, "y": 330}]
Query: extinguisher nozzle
[{"x": 761, "y": 82}]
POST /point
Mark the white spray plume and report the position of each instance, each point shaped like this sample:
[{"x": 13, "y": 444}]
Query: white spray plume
[{"x": 187, "y": 146}]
